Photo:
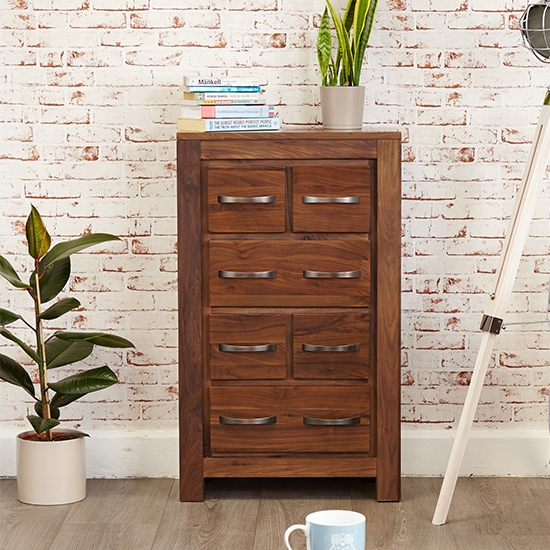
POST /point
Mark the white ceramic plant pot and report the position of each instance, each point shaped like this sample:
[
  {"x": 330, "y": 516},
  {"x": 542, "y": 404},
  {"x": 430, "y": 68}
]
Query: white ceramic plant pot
[
  {"x": 51, "y": 472},
  {"x": 342, "y": 107}
]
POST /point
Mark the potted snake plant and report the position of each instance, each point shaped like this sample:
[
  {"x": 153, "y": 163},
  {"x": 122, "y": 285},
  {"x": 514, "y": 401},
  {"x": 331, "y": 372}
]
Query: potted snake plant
[
  {"x": 342, "y": 96},
  {"x": 51, "y": 461}
]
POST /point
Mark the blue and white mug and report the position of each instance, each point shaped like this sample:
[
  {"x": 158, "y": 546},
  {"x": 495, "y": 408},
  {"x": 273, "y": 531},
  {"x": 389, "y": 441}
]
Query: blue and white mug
[{"x": 332, "y": 530}]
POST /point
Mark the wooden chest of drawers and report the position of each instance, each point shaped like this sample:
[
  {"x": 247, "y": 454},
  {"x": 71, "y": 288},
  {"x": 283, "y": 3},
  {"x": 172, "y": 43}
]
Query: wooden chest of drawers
[{"x": 289, "y": 306}]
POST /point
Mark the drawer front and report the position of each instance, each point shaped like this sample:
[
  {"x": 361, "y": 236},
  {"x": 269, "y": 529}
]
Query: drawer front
[
  {"x": 290, "y": 273},
  {"x": 242, "y": 200},
  {"x": 334, "y": 199},
  {"x": 331, "y": 346},
  {"x": 332, "y": 419},
  {"x": 247, "y": 347}
]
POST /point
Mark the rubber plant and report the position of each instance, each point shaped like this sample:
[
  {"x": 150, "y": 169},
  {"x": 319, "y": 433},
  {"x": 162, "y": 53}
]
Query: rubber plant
[
  {"x": 352, "y": 32},
  {"x": 51, "y": 272}
]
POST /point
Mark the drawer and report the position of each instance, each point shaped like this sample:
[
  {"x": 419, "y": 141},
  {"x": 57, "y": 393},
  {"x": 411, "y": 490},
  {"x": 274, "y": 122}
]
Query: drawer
[
  {"x": 296, "y": 419},
  {"x": 247, "y": 346},
  {"x": 331, "y": 346},
  {"x": 246, "y": 200},
  {"x": 334, "y": 199},
  {"x": 290, "y": 273}
]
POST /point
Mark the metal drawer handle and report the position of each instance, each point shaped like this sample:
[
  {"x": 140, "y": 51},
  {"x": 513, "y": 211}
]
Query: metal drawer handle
[
  {"x": 267, "y": 199},
  {"x": 308, "y": 274},
  {"x": 252, "y": 421},
  {"x": 349, "y": 347},
  {"x": 307, "y": 199},
  {"x": 235, "y": 348},
  {"x": 247, "y": 274},
  {"x": 332, "y": 421}
]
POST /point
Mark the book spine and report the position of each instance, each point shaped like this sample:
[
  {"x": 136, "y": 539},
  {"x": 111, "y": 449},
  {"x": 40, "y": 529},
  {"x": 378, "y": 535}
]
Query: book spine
[
  {"x": 238, "y": 111},
  {"x": 214, "y": 96},
  {"x": 218, "y": 81},
  {"x": 225, "y": 89},
  {"x": 244, "y": 124},
  {"x": 191, "y": 111},
  {"x": 257, "y": 101}
]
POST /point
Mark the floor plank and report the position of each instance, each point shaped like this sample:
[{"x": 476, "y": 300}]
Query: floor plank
[
  {"x": 226, "y": 519},
  {"x": 286, "y": 502},
  {"x": 128, "y": 501},
  {"x": 145, "y": 514},
  {"x": 26, "y": 526}
]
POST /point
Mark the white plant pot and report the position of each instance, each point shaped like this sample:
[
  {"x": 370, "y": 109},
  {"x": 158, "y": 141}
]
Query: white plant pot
[
  {"x": 342, "y": 107},
  {"x": 51, "y": 472}
]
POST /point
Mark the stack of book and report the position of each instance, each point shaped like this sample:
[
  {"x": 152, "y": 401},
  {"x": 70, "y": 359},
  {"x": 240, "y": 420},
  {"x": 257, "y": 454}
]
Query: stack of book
[{"x": 213, "y": 104}]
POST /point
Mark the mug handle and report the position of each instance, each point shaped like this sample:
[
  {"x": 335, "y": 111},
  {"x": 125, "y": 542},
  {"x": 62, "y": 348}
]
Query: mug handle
[{"x": 294, "y": 528}]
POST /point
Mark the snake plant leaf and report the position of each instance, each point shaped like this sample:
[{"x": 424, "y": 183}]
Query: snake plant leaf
[
  {"x": 52, "y": 280},
  {"x": 64, "y": 352},
  {"x": 365, "y": 20},
  {"x": 324, "y": 46},
  {"x": 86, "y": 382},
  {"x": 11, "y": 371},
  {"x": 63, "y": 250},
  {"x": 8, "y": 272},
  {"x": 8, "y": 317},
  {"x": 344, "y": 47},
  {"x": 98, "y": 338},
  {"x": 27, "y": 349},
  {"x": 60, "y": 308},
  {"x": 54, "y": 411},
  {"x": 349, "y": 15},
  {"x": 41, "y": 425},
  {"x": 38, "y": 238}
]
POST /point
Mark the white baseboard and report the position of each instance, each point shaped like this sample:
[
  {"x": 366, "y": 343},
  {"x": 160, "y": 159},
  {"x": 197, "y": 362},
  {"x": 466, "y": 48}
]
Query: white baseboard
[
  {"x": 490, "y": 452},
  {"x": 114, "y": 453},
  {"x": 141, "y": 453}
]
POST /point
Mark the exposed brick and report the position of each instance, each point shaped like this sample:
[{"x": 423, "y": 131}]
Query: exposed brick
[{"x": 89, "y": 96}]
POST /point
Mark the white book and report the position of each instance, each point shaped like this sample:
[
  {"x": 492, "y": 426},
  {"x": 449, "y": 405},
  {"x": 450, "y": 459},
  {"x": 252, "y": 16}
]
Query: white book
[
  {"x": 219, "y": 81},
  {"x": 227, "y": 111},
  {"x": 228, "y": 124}
]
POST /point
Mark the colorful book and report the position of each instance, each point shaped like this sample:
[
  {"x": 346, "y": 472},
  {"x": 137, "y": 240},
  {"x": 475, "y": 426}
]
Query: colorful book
[
  {"x": 218, "y": 81},
  {"x": 228, "y": 124},
  {"x": 218, "y": 89},
  {"x": 218, "y": 97},
  {"x": 227, "y": 111}
]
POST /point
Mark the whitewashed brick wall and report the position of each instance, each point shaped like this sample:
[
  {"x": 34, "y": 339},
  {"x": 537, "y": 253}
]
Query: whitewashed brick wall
[{"x": 89, "y": 95}]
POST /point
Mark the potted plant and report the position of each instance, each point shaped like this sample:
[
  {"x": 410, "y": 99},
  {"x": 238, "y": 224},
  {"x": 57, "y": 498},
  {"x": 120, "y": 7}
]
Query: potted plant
[
  {"x": 342, "y": 96},
  {"x": 50, "y": 461}
]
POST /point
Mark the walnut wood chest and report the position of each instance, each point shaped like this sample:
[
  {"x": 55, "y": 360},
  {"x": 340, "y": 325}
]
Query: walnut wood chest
[{"x": 289, "y": 306}]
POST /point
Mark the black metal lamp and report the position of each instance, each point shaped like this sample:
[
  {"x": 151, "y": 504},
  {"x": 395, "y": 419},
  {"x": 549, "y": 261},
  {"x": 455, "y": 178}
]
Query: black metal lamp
[{"x": 535, "y": 29}]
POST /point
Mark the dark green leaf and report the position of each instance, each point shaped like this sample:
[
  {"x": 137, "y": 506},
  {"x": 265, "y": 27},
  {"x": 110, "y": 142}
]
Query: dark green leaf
[
  {"x": 40, "y": 425},
  {"x": 66, "y": 249},
  {"x": 8, "y": 272},
  {"x": 86, "y": 382},
  {"x": 11, "y": 371},
  {"x": 98, "y": 338},
  {"x": 54, "y": 411},
  {"x": 63, "y": 352},
  {"x": 7, "y": 317},
  {"x": 38, "y": 239},
  {"x": 60, "y": 308},
  {"x": 61, "y": 400},
  {"x": 27, "y": 349},
  {"x": 53, "y": 279}
]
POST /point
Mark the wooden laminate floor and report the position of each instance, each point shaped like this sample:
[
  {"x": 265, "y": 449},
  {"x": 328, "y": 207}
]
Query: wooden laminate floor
[{"x": 145, "y": 514}]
